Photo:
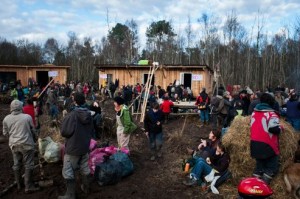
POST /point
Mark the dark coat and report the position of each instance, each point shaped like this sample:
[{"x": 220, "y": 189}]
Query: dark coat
[
  {"x": 77, "y": 128},
  {"x": 151, "y": 119}
]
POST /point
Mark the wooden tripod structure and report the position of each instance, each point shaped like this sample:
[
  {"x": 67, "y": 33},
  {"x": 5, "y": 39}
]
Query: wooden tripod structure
[
  {"x": 217, "y": 78},
  {"x": 151, "y": 72}
]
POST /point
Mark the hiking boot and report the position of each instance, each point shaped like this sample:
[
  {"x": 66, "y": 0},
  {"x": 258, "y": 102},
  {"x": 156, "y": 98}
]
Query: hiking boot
[
  {"x": 18, "y": 179},
  {"x": 29, "y": 185},
  {"x": 267, "y": 178},
  {"x": 70, "y": 193},
  {"x": 190, "y": 182},
  {"x": 85, "y": 187}
]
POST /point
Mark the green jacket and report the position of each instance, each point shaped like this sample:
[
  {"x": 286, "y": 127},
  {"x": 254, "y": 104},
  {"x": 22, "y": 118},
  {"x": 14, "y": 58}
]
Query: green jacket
[
  {"x": 129, "y": 126},
  {"x": 14, "y": 94}
]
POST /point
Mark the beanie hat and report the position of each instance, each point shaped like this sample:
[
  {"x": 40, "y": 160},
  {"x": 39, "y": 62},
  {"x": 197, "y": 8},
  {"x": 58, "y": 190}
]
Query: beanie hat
[
  {"x": 226, "y": 93},
  {"x": 119, "y": 100},
  {"x": 16, "y": 105},
  {"x": 217, "y": 134}
]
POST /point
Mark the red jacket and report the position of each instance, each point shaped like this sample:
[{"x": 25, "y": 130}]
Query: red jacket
[
  {"x": 263, "y": 143},
  {"x": 29, "y": 109},
  {"x": 166, "y": 106}
]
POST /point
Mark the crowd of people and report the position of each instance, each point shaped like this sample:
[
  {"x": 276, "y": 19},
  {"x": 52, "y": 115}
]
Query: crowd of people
[{"x": 209, "y": 159}]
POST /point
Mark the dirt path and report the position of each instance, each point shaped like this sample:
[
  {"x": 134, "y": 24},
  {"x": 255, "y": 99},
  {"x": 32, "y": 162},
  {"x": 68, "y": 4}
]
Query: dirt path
[{"x": 161, "y": 178}]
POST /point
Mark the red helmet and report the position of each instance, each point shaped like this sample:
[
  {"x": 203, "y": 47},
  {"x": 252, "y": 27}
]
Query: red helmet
[{"x": 254, "y": 188}]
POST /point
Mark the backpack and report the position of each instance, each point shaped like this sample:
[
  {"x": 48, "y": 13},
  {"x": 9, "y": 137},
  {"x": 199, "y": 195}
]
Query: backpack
[{"x": 214, "y": 103}]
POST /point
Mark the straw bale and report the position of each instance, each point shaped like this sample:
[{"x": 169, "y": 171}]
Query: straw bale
[{"x": 237, "y": 142}]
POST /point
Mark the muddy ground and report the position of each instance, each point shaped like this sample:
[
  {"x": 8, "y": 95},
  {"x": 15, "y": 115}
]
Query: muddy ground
[{"x": 158, "y": 179}]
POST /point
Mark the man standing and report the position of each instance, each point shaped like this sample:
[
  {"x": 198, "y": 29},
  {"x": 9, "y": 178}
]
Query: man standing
[
  {"x": 77, "y": 128},
  {"x": 19, "y": 127},
  {"x": 264, "y": 146}
]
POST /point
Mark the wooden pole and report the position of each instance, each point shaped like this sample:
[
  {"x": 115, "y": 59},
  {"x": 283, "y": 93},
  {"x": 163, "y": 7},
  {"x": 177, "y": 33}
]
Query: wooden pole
[
  {"x": 154, "y": 68},
  {"x": 145, "y": 97},
  {"x": 45, "y": 88}
]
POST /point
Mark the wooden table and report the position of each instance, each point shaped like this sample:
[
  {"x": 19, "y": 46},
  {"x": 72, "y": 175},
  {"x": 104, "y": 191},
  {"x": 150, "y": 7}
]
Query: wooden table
[{"x": 185, "y": 106}]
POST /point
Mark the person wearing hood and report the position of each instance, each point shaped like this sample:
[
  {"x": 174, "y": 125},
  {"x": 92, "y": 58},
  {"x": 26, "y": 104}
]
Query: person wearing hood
[
  {"x": 19, "y": 128},
  {"x": 293, "y": 111},
  {"x": 125, "y": 125},
  {"x": 264, "y": 135},
  {"x": 153, "y": 130},
  {"x": 77, "y": 128}
]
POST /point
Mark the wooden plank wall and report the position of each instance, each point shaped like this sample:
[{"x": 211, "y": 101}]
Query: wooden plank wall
[
  {"x": 23, "y": 73},
  {"x": 137, "y": 76}
]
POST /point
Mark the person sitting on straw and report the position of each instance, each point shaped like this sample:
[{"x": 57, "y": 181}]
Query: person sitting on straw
[
  {"x": 206, "y": 148},
  {"x": 211, "y": 168}
]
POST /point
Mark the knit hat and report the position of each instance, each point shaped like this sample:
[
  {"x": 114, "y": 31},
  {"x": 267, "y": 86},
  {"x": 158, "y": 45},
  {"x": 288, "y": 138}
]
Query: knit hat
[
  {"x": 16, "y": 105},
  {"x": 119, "y": 100},
  {"x": 226, "y": 93}
]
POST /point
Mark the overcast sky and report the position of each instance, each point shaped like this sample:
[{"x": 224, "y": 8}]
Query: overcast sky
[{"x": 37, "y": 20}]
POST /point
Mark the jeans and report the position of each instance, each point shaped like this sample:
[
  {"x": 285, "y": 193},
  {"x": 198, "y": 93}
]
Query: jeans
[
  {"x": 204, "y": 115},
  {"x": 73, "y": 163},
  {"x": 21, "y": 154},
  {"x": 295, "y": 123},
  {"x": 200, "y": 169},
  {"x": 269, "y": 166},
  {"x": 155, "y": 140},
  {"x": 54, "y": 111}
]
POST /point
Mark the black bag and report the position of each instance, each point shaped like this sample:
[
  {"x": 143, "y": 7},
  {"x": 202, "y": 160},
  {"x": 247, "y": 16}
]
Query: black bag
[
  {"x": 126, "y": 163},
  {"x": 109, "y": 172}
]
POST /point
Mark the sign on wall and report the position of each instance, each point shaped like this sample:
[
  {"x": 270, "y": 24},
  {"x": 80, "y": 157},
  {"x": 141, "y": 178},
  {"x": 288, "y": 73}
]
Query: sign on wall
[
  {"x": 103, "y": 76},
  {"x": 52, "y": 73},
  {"x": 196, "y": 77}
]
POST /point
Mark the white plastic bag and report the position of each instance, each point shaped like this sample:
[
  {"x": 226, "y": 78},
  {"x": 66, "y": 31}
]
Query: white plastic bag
[
  {"x": 43, "y": 143},
  {"x": 52, "y": 152}
]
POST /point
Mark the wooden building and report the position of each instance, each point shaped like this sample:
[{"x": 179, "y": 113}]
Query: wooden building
[
  {"x": 41, "y": 73},
  {"x": 195, "y": 77}
]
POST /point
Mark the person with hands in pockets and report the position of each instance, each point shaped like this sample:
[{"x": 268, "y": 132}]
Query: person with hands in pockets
[{"x": 153, "y": 130}]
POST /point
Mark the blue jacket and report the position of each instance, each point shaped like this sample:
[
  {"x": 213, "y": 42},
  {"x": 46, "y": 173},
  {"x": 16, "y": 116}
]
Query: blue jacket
[{"x": 293, "y": 109}]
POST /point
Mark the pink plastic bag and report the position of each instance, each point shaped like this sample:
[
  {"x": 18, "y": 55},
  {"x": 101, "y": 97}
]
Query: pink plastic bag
[
  {"x": 96, "y": 156},
  {"x": 93, "y": 144}
]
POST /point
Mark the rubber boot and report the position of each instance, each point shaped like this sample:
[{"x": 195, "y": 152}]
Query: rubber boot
[
  {"x": 85, "y": 187},
  {"x": 159, "y": 152},
  {"x": 18, "y": 179},
  {"x": 152, "y": 158},
  {"x": 70, "y": 193},
  {"x": 29, "y": 185},
  {"x": 266, "y": 178}
]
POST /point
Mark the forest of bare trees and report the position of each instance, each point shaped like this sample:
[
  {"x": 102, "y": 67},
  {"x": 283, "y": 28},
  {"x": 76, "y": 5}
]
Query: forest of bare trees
[{"x": 251, "y": 58}]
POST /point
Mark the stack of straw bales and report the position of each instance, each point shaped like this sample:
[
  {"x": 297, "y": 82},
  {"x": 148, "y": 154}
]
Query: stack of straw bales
[{"x": 237, "y": 142}]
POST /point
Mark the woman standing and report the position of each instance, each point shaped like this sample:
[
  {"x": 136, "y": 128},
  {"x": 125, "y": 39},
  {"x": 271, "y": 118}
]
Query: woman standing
[
  {"x": 125, "y": 125},
  {"x": 153, "y": 129}
]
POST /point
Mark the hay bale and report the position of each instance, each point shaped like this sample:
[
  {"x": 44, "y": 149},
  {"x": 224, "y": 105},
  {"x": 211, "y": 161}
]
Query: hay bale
[{"x": 237, "y": 141}]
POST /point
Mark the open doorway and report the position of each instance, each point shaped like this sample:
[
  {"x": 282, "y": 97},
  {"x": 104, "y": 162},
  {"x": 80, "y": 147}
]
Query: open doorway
[
  {"x": 42, "y": 78},
  {"x": 146, "y": 78},
  {"x": 8, "y": 77},
  {"x": 186, "y": 79}
]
